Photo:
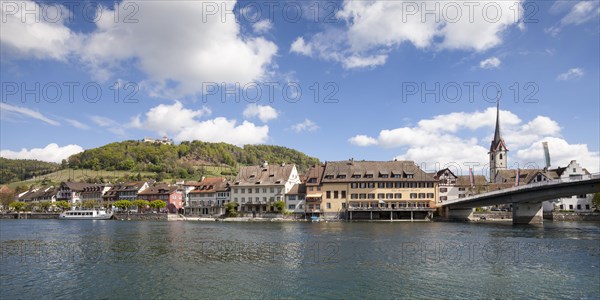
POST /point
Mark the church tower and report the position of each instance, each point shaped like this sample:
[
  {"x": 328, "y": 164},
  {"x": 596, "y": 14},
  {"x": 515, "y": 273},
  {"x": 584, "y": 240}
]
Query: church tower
[{"x": 498, "y": 150}]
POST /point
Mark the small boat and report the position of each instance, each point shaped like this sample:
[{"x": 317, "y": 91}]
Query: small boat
[
  {"x": 314, "y": 219},
  {"x": 85, "y": 215}
]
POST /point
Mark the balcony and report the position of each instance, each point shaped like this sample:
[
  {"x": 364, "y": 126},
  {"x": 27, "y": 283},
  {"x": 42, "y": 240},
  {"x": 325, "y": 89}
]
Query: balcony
[{"x": 391, "y": 209}]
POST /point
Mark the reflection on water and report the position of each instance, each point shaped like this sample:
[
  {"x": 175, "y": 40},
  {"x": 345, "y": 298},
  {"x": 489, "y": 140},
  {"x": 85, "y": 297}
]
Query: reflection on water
[{"x": 111, "y": 259}]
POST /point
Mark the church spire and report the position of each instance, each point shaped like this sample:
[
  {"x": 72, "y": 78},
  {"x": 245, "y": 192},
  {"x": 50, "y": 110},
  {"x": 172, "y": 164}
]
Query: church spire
[{"x": 497, "y": 137}]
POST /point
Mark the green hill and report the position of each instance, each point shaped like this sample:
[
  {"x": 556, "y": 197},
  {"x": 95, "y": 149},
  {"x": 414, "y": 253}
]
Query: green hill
[
  {"x": 186, "y": 160},
  {"x": 12, "y": 170}
]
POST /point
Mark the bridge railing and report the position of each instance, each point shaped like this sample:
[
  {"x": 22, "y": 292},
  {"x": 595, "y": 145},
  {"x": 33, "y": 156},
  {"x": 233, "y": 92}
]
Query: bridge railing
[{"x": 526, "y": 186}]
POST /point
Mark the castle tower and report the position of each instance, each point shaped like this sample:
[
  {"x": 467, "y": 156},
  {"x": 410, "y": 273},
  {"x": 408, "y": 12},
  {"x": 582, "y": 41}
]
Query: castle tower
[{"x": 498, "y": 150}]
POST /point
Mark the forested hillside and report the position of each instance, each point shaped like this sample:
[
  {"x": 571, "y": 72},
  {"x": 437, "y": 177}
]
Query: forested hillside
[
  {"x": 183, "y": 160},
  {"x": 20, "y": 169}
]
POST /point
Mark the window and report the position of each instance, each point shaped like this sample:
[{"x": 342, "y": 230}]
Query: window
[
  {"x": 413, "y": 195},
  {"x": 264, "y": 199},
  {"x": 443, "y": 190},
  {"x": 243, "y": 191},
  {"x": 341, "y": 176},
  {"x": 574, "y": 170},
  {"x": 318, "y": 188},
  {"x": 343, "y": 194},
  {"x": 235, "y": 199},
  {"x": 389, "y": 196},
  {"x": 343, "y": 205},
  {"x": 562, "y": 206},
  {"x": 371, "y": 185},
  {"x": 397, "y": 185},
  {"x": 430, "y": 195},
  {"x": 311, "y": 206},
  {"x": 328, "y": 176},
  {"x": 272, "y": 190},
  {"x": 398, "y": 196},
  {"x": 356, "y": 176},
  {"x": 443, "y": 198},
  {"x": 578, "y": 206},
  {"x": 328, "y": 205},
  {"x": 581, "y": 196},
  {"x": 265, "y": 190},
  {"x": 371, "y": 196},
  {"x": 257, "y": 190},
  {"x": 292, "y": 197},
  {"x": 368, "y": 175},
  {"x": 335, "y": 194},
  {"x": 421, "y": 195},
  {"x": 380, "y": 185},
  {"x": 587, "y": 206},
  {"x": 363, "y": 196},
  {"x": 461, "y": 189},
  {"x": 310, "y": 188},
  {"x": 328, "y": 194},
  {"x": 291, "y": 206},
  {"x": 250, "y": 191},
  {"x": 353, "y": 196},
  {"x": 279, "y": 190},
  {"x": 354, "y": 185},
  {"x": 570, "y": 206},
  {"x": 363, "y": 185},
  {"x": 381, "y": 196},
  {"x": 243, "y": 200},
  {"x": 300, "y": 206},
  {"x": 500, "y": 155},
  {"x": 461, "y": 196}
]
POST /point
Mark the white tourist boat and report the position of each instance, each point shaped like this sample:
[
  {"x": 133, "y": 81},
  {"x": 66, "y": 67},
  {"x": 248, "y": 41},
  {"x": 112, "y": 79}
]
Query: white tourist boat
[{"x": 86, "y": 215}]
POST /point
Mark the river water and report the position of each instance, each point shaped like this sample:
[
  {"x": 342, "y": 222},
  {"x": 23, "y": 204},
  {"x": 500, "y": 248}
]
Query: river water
[{"x": 174, "y": 260}]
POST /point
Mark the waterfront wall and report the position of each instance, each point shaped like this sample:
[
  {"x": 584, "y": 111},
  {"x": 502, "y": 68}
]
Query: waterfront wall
[
  {"x": 140, "y": 217},
  {"x": 35, "y": 216},
  {"x": 573, "y": 216}
]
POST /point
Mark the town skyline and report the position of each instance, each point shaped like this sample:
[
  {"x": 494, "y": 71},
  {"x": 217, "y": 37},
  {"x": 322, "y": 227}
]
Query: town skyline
[{"x": 378, "y": 98}]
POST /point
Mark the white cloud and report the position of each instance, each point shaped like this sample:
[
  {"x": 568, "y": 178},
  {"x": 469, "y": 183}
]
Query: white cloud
[
  {"x": 374, "y": 28},
  {"x": 307, "y": 125},
  {"x": 263, "y": 112},
  {"x": 580, "y": 12},
  {"x": 450, "y": 139},
  {"x": 222, "y": 130},
  {"x": 184, "y": 124},
  {"x": 300, "y": 47},
  {"x": 362, "y": 140},
  {"x": 262, "y": 26},
  {"x": 180, "y": 43},
  {"x": 37, "y": 30},
  {"x": 176, "y": 45},
  {"x": 561, "y": 153},
  {"x": 166, "y": 118},
  {"x": 7, "y": 110},
  {"x": 490, "y": 63},
  {"x": 51, "y": 153},
  {"x": 571, "y": 74},
  {"x": 110, "y": 124},
  {"x": 77, "y": 124}
]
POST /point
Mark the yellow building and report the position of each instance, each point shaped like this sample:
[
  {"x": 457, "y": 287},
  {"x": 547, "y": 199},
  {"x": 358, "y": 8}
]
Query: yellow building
[{"x": 374, "y": 190}]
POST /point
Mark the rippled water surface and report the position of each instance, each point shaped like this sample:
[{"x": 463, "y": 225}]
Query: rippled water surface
[{"x": 166, "y": 260}]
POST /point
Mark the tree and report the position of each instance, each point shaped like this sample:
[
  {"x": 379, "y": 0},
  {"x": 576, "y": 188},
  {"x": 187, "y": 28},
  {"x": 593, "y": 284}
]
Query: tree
[
  {"x": 140, "y": 204},
  {"x": 6, "y": 199},
  {"x": 279, "y": 205},
  {"x": 20, "y": 189},
  {"x": 63, "y": 205},
  {"x": 158, "y": 204},
  {"x": 596, "y": 201},
  {"x": 17, "y": 205},
  {"x": 89, "y": 204},
  {"x": 45, "y": 206},
  {"x": 122, "y": 204},
  {"x": 231, "y": 209}
]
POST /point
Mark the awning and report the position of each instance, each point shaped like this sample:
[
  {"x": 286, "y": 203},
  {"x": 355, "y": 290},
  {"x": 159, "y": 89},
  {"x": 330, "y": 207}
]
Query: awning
[{"x": 314, "y": 195}]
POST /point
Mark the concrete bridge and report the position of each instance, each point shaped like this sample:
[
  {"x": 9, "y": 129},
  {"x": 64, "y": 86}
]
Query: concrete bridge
[{"x": 526, "y": 200}]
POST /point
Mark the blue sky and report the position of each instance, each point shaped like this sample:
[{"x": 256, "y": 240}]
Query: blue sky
[{"x": 178, "y": 68}]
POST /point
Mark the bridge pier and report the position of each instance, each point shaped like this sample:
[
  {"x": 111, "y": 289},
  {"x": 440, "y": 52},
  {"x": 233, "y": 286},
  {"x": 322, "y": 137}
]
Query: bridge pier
[
  {"x": 527, "y": 213},
  {"x": 457, "y": 214}
]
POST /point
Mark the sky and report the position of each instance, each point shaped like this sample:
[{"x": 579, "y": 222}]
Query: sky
[{"x": 369, "y": 80}]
